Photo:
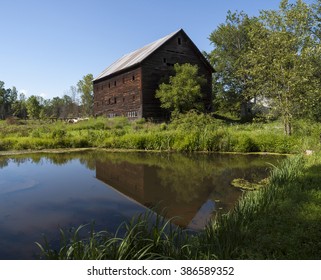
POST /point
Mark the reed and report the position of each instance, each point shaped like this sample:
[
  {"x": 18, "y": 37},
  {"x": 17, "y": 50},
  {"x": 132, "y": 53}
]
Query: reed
[
  {"x": 187, "y": 133},
  {"x": 147, "y": 236}
]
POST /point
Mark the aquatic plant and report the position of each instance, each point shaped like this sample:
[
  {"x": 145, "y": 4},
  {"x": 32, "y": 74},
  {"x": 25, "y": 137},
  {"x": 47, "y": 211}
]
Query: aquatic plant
[{"x": 147, "y": 236}]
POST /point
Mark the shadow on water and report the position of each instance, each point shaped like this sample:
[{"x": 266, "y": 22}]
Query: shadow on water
[{"x": 40, "y": 193}]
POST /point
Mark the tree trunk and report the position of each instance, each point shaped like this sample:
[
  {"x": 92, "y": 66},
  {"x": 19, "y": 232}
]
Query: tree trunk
[
  {"x": 287, "y": 127},
  {"x": 245, "y": 111}
]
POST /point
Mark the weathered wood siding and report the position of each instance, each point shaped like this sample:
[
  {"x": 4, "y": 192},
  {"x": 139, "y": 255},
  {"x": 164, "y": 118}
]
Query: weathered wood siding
[
  {"x": 119, "y": 95},
  {"x": 159, "y": 66},
  {"x": 131, "y": 93}
]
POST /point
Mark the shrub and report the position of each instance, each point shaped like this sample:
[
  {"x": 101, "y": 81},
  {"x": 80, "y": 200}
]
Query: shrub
[
  {"x": 58, "y": 133},
  {"x": 12, "y": 120},
  {"x": 245, "y": 144}
]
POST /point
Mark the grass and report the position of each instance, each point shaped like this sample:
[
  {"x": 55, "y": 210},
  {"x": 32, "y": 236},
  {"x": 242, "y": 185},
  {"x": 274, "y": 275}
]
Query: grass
[
  {"x": 279, "y": 221},
  {"x": 138, "y": 239},
  {"x": 191, "y": 132}
]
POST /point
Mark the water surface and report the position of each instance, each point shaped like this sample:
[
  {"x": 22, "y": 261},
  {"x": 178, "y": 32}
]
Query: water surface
[{"x": 41, "y": 193}]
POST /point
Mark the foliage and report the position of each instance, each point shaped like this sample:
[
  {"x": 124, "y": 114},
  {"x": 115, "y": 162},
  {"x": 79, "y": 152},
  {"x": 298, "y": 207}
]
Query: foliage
[
  {"x": 231, "y": 42},
  {"x": 282, "y": 57},
  {"x": 33, "y": 107},
  {"x": 187, "y": 132},
  {"x": 183, "y": 92},
  {"x": 85, "y": 87},
  {"x": 274, "y": 57},
  {"x": 7, "y": 98}
]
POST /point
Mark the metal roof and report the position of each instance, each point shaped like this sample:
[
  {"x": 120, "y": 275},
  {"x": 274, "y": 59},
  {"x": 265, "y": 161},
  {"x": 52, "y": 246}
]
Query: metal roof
[{"x": 134, "y": 57}]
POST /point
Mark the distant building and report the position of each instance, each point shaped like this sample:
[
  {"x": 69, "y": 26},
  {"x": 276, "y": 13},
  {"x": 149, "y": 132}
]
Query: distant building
[{"x": 128, "y": 86}]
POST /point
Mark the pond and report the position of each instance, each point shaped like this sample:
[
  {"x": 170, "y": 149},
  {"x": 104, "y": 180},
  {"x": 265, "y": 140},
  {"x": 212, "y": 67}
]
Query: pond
[{"x": 40, "y": 193}]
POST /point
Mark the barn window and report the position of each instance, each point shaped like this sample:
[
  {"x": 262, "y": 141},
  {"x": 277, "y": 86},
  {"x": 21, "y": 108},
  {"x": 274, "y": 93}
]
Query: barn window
[
  {"x": 109, "y": 85},
  {"x": 115, "y": 83},
  {"x": 179, "y": 41},
  {"x": 133, "y": 78},
  {"x": 132, "y": 114},
  {"x": 164, "y": 60},
  {"x": 115, "y": 99}
]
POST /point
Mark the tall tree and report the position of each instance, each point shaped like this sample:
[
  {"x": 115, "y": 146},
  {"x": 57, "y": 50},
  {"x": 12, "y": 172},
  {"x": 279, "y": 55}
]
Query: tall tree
[
  {"x": 282, "y": 56},
  {"x": 7, "y": 99},
  {"x": 33, "y": 107},
  {"x": 73, "y": 109},
  {"x": 231, "y": 42},
  {"x": 19, "y": 108},
  {"x": 3, "y": 100},
  {"x": 85, "y": 87},
  {"x": 183, "y": 92}
]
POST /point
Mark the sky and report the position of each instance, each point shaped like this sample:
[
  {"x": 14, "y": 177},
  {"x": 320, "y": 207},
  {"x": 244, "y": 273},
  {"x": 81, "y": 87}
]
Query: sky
[{"x": 48, "y": 46}]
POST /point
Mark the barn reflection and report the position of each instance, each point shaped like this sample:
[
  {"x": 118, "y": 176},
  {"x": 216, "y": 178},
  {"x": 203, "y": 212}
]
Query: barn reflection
[{"x": 184, "y": 191}]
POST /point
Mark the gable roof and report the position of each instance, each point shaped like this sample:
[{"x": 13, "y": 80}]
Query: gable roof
[
  {"x": 134, "y": 57},
  {"x": 137, "y": 56}
]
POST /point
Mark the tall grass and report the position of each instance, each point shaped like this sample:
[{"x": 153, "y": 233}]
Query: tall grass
[
  {"x": 187, "y": 133},
  {"x": 225, "y": 237},
  {"x": 144, "y": 237}
]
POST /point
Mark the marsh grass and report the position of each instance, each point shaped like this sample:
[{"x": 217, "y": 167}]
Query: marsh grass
[
  {"x": 144, "y": 237},
  {"x": 187, "y": 133}
]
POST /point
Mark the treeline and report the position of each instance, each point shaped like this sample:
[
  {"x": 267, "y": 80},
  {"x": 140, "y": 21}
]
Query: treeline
[
  {"x": 77, "y": 102},
  {"x": 271, "y": 62}
]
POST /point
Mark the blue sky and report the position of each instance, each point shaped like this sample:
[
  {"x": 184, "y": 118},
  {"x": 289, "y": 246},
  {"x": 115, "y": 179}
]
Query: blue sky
[{"x": 48, "y": 46}]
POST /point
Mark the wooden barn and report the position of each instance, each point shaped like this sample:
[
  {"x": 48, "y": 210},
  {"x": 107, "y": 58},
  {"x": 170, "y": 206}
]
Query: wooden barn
[{"x": 127, "y": 87}]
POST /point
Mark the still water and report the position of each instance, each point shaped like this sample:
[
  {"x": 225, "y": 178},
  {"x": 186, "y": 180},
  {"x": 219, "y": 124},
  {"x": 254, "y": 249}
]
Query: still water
[{"x": 41, "y": 193}]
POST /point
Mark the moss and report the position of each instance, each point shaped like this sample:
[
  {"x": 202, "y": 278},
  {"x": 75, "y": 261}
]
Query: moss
[{"x": 248, "y": 186}]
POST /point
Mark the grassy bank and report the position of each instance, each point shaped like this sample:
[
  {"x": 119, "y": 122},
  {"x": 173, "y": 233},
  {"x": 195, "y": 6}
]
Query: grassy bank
[
  {"x": 191, "y": 132},
  {"x": 280, "y": 221}
]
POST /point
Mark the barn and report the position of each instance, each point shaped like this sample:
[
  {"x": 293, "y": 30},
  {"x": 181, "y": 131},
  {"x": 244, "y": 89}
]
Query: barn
[{"x": 127, "y": 87}]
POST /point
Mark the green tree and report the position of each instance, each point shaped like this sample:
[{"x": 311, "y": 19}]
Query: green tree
[
  {"x": 7, "y": 99},
  {"x": 3, "y": 100},
  {"x": 183, "y": 92},
  {"x": 85, "y": 87},
  {"x": 231, "y": 42},
  {"x": 282, "y": 56},
  {"x": 19, "y": 108},
  {"x": 33, "y": 107}
]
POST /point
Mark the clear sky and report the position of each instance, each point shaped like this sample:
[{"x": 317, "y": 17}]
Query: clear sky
[{"x": 48, "y": 46}]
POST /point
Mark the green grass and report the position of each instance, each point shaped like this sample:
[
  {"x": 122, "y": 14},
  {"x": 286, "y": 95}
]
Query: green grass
[
  {"x": 279, "y": 221},
  {"x": 190, "y": 132},
  {"x": 141, "y": 240}
]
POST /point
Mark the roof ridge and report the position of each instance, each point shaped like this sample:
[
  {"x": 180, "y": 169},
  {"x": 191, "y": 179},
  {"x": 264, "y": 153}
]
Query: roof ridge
[{"x": 135, "y": 57}]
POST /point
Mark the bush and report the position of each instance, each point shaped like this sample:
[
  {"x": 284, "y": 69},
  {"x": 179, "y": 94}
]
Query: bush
[
  {"x": 245, "y": 144},
  {"x": 58, "y": 133},
  {"x": 12, "y": 120}
]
